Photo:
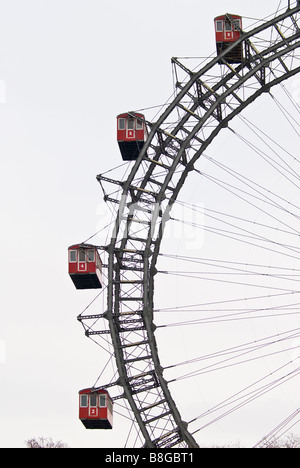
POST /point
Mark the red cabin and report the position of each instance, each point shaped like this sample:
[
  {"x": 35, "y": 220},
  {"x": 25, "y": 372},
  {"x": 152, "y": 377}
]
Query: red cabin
[
  {"x": 95, "y": 409},
  {"x": 85, "y": 267},
  {"x": 131, "y": 135},
  {"x": 228, "y": 30}
]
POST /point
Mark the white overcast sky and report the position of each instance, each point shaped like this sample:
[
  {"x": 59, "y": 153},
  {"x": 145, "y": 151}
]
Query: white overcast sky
[{"x": 67, "y": 68}]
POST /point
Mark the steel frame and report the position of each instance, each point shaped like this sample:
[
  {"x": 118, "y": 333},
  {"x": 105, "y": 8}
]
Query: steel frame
[{"x": 205, "y": 104}]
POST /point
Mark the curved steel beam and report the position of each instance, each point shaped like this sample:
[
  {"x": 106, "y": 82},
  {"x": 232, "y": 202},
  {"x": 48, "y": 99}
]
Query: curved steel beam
[{"x": 136, "y": 250}]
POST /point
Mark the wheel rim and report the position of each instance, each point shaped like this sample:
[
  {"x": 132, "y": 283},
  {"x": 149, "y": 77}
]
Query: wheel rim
[{"x": 144, "y": 208}]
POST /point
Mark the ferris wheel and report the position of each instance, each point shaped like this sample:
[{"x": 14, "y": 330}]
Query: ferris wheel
[{"x": 162, "y": 156}]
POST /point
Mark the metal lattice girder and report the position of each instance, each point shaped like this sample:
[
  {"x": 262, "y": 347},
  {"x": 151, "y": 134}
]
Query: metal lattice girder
[{"x": 206, "y": 102}]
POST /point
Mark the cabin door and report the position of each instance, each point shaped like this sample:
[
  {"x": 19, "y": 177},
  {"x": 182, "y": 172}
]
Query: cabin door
[
  {"x": 82, "y": 265},
  {"x": 130, "y": 131},
  {"x": 228, "y": 30},
  {"x": 93, "y": 406}
]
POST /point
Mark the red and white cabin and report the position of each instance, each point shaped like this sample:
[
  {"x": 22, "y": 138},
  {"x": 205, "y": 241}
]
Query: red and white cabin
[
  {"x": 228, "y": 29},
  {"x": 85, "y": 266},
  {"x": 95, "y": 409},
  {"x": 131, "y": 135}
]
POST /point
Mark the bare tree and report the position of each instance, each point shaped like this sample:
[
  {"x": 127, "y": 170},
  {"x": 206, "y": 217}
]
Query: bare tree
[
  {"x": 41, "y": 442},
  {"x": 291, "y": 441}
]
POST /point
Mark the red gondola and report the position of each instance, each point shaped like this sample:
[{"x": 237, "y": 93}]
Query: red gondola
[
  {"x": 95, "y": 409},
  {"x": 228, "y": 30},
  {"x": 85, "y": 267},
  {"x": 131, "y": 135}
]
